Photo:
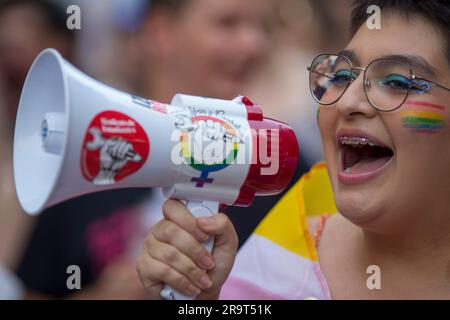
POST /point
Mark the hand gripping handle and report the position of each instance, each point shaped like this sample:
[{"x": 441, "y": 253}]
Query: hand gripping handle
[{"x": 198, "y": 209}]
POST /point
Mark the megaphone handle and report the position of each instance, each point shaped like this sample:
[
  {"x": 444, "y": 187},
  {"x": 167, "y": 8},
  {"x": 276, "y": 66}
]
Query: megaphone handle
[{"x": 198, "y": 209}]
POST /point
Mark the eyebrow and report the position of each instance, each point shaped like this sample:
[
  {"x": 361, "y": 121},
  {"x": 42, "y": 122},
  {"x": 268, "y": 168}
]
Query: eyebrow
[
  {"x": 350, "y": 55},
  {"x": 418, "y": 63}
]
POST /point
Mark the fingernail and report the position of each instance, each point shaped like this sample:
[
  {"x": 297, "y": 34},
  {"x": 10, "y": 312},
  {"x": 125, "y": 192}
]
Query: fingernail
[
  {"x": 207, "y": 262},
  {"x": 205, "y": 282},
  {"x": 193, "y": 290}
]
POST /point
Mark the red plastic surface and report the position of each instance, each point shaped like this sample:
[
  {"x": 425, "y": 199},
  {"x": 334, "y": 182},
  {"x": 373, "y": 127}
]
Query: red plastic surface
[{"x": 256, "y": 182}]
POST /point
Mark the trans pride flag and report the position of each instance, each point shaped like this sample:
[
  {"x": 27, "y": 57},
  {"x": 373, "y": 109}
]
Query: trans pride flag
[{"x": 279, "y": 260}]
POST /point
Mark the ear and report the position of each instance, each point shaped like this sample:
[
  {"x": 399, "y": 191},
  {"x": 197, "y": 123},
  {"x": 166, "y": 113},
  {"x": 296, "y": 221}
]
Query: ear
[{"x": 157, "y": 33}]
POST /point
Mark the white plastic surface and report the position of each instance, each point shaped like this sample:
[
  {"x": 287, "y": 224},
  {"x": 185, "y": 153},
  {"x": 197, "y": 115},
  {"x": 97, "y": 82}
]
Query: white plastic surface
[{"x": 58, "y": 104}]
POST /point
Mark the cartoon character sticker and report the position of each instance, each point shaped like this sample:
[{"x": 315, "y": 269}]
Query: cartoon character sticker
[
  {"x": 114, "y": 147},
  {"x": 206, "y": 132}
]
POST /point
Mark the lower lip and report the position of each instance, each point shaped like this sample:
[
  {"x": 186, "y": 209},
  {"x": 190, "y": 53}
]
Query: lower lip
[{"x": 358, "y": 178}]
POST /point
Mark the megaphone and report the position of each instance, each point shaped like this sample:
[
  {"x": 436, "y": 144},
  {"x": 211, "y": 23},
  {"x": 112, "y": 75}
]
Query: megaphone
[{"x": 75, "y": 135}]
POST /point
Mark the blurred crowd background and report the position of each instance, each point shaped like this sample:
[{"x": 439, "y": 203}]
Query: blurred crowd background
[{"x": 155, "y": 49}]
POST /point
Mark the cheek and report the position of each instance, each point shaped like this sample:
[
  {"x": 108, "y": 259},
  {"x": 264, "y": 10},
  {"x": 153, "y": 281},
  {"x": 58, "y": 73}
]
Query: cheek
[
  {"x": 326, "y": 120},
  {"x": 198, "y": 57},
  {"x": 423, "y": 117},
  {"x": 422, "y": 137},
  {"x": 212, "y": 55},
  {"x": 425, "y": 131}
]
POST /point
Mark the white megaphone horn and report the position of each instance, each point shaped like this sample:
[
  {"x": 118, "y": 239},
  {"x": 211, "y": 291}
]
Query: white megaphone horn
[{"x": 75, "y": 135}]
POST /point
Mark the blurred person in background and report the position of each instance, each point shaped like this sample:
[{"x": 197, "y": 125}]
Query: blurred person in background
[
  {"x": 208, "y": 48},
  {"x": 203, "y": 47},
  {"x": 302, "y": 28},
  {"x": 200, "y": 47},
  {"x": 26, "y": 27},
  {"x": 90, "y": 231}
]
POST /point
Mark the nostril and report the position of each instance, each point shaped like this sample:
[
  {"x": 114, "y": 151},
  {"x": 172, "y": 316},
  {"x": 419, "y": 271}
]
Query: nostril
[{"x": 356, "y": 113}]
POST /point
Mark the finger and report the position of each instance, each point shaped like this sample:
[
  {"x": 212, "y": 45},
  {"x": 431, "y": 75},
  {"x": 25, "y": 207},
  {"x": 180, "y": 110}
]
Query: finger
[
  {"x": 145, "y": 268},
  {"x": 127, "y": 148},
  {"x": 114, "y": 149},
  {"x": 121, "y": 149},
  {"x": 170, "y": 233},
  {"x": 176, "y": 211},
  {"x": 221, "y": 227},
  {"x": 224, "y": 253},
  {"x": 171, "y": 256},
  {"x": 154, "y": 274},
  {"x": 124, "y": 150}
]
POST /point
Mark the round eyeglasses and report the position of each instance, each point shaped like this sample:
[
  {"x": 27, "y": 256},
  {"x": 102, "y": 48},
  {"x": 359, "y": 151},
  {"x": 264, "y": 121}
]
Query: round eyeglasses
[{"x": 387, "y": 83}]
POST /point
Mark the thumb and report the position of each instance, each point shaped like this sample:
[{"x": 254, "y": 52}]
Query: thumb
[{"x": 224, "y": 250}]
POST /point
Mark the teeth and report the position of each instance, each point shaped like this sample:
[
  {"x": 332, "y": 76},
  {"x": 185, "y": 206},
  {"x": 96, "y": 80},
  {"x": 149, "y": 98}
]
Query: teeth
[
  {"x": 357, "y": 141},
  {"x": 348, "y": 170}
]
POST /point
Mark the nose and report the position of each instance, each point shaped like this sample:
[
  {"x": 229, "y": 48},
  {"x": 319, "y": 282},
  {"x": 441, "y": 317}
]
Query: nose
[
  {"x": 254, "y": 41},
  {"x": 354, "y": 102}
]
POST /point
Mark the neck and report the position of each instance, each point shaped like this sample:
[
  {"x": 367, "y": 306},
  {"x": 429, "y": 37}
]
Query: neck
[
  {"x": 409, "y": 247},
  {"x": 425, "y": 229},
  {"x": 420, "y": 254}
]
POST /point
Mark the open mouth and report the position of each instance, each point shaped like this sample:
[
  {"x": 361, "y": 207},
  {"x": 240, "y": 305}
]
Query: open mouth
[{"x": 361, "y": 158}]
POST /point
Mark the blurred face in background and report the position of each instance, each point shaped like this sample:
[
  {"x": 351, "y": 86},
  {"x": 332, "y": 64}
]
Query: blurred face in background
[
  {"x": 212, "y": 46},
  {"x": 21, "y": 35},
  {"x": 24, "y": 32}
]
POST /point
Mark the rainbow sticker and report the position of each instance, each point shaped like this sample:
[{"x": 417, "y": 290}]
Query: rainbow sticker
[
  {"x": 230, "y": 135},
  {"x": 423, "y": 117}
]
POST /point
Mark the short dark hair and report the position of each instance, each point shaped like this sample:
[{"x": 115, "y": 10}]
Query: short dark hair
[{"x": 435, "y": 11}]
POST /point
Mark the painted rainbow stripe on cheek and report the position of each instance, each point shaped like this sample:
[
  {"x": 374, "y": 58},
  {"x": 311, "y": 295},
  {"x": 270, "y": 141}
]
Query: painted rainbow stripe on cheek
[{"x": 423, "y": 116}]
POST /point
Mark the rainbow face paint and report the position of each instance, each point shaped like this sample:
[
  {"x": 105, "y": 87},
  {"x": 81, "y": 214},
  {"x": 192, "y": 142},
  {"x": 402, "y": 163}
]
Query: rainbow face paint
[{"x": 423, "y": 117}]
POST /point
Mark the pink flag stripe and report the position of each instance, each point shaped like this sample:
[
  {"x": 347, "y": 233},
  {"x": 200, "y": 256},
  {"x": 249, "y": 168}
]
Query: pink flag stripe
[
  {"x": 424, "y": 104},
  {"x": 239, "y": 289}
]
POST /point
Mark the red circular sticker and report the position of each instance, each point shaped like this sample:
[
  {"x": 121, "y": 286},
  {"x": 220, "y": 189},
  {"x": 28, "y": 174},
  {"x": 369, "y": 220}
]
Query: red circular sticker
[{"x": 114, "y": 147}]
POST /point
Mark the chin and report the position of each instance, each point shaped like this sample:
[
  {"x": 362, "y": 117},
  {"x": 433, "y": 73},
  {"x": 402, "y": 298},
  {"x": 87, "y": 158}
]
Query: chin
[
  {"x": 359, "y": 207},
  {"x": 363, "y": 203}
]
